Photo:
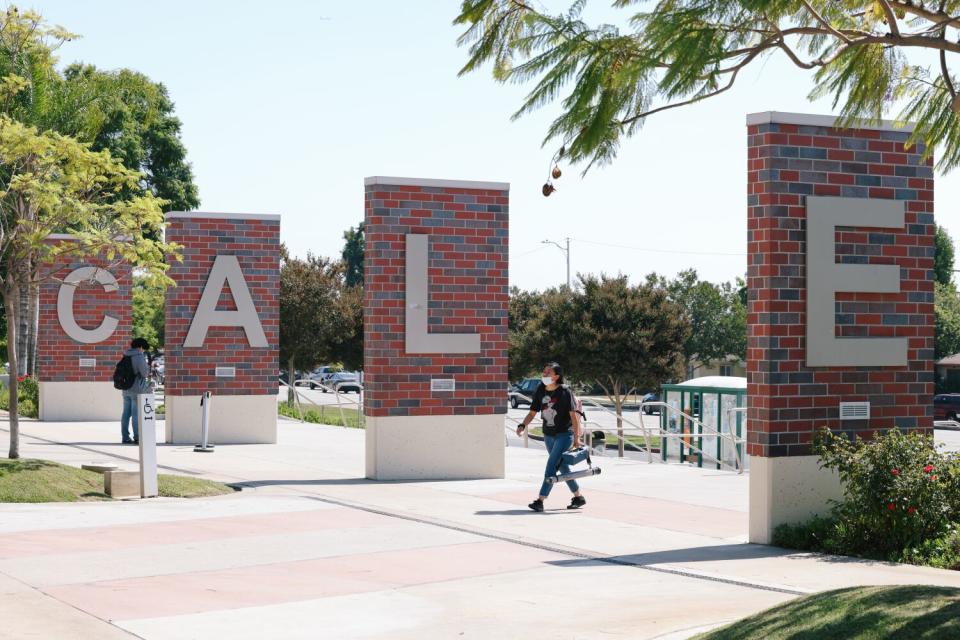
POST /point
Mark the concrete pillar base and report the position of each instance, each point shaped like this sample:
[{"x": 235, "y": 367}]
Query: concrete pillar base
[
  {"x": 79, "y": 402},
  {"x": 233, "y": 419},
  {"x": 788, "y": 490},
  {"x": 435, "y": 447}
]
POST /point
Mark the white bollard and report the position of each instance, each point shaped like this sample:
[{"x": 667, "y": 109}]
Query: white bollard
[
  {"x": 204, "y": 446},
  {"x": 147, "y": 421}
]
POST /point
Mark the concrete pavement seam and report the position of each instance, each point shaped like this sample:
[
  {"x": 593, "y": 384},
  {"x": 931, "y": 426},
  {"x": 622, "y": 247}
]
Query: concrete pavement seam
[
  {"x": 71, "y": 605},
  {"x": 563, "y": 550}
]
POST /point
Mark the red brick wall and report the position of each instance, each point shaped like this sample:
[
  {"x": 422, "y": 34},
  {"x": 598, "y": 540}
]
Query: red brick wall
[
  {"x": 256, "y": 243},
  {"x": 789, "y": 401},
  {"x": 468, "y": 293},
  {"x": 59, "y": 354}
]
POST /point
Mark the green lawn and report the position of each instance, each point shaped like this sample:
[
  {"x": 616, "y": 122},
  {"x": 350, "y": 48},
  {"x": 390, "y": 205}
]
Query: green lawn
[
  {"x": 28, "y": 480},
  {"x": 864, "y": 613},
  {"x": 611, "y": 439},
  {"x": 327, "y": 414}
]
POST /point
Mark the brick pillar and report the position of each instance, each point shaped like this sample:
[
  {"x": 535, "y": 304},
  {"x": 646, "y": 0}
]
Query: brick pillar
[
  {"x": 841, "y": 245},
  {"x": 80, "y": 340},
  {"x": 435, "y": 328},
  {"x": 223, "y": 327}
]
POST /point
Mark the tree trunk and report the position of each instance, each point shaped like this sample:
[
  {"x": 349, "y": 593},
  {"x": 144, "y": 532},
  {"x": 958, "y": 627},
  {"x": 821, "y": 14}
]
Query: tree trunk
[
  {"x": 11, "y": 295},
  {"x": 34, "y": 313},
  {"x": 292, "y": 379},
  {"x": 23, "y": 331}
]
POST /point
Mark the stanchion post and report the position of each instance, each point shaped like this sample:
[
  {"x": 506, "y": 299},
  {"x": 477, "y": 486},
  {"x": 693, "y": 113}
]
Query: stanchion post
[
  {"x": 204, "y": 446},
  {"x": 147, "y": 427}
]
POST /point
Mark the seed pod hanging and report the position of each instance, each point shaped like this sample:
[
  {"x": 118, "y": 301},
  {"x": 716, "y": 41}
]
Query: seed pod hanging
[
  {"x": 548, "y": 189},
  {"x": 556, "y": 173}
]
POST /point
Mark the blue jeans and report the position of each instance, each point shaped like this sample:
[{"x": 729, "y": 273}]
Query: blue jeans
[
  {"x": 129, "y": 412},
  {"x": 559, "y": 460}
]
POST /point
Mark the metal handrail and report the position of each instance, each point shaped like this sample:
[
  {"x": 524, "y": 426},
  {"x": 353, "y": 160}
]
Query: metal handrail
[
  {"x": 709, "y": 430},
  {"x": 296, "y": 391}
]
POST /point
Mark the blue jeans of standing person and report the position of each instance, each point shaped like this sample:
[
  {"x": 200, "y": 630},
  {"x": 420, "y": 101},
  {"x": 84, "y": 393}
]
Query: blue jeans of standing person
[
  {"x": 560, "y": 460},
  {"x": 129, "y": 412}
]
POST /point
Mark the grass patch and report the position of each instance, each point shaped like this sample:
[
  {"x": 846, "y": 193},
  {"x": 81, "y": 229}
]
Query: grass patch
[
  {"x": 863, "y": 613},
  {"x": 27, "y": 480},
  {"x": 326, "y": 415},
  {"x": 188, "y": 487},
  {"x": 638, "y": 441}
]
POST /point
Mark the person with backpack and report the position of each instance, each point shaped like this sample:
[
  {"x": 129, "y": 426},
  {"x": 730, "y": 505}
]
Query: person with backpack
[
  {"x": 132, "y": 377},
  {"x": 561, "y": 430}
]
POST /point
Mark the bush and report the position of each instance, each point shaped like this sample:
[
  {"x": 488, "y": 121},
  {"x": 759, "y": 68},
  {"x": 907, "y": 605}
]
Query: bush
[
  {"x": 901, "y": 498},
  {"x": 28, "y": 394},
  {"x": 898, "y": 490}
]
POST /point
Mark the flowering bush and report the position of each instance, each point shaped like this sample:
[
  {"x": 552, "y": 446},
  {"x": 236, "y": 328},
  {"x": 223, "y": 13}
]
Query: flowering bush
[
  {"x": 898, "y": 490},
  {"x": 901, "y": 500}
]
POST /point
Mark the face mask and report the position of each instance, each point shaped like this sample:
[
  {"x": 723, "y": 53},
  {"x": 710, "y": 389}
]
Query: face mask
[{"x": 547, "y": 380}]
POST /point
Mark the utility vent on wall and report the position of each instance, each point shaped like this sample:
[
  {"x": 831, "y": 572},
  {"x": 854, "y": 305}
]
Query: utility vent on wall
[
  {"x": 854, "y": 410},
  {"x": 226, "y": 372}
]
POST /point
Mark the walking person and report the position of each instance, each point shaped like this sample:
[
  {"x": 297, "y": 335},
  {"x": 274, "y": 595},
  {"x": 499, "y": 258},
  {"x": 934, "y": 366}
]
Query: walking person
[
  {"x": 132, "y": 377},
  {"x": 561, "y": 430}
]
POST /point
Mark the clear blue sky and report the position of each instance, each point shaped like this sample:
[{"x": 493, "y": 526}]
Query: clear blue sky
[{"x": 287, "y": 105}]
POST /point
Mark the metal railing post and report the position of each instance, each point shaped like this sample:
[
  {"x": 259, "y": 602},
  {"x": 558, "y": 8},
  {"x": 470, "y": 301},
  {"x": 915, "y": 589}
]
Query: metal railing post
[{"x": 204, "y": 446}]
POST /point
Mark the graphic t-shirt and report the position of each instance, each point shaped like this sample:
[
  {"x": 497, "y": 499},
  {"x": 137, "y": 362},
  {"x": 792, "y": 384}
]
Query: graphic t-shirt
[{"x": 554, "y": 407}]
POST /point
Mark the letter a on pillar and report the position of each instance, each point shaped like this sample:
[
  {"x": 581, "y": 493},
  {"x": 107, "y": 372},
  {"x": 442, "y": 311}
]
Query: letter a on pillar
[{"x": 226, "y": 270}]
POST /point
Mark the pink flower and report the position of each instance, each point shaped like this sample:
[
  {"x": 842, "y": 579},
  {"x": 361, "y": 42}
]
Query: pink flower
[
  {"x": 892, "y": 506},
  {"x": 911, "y": 511},
  {"x": 928, "y": 468},
  {"x": 895, "y": 472}
]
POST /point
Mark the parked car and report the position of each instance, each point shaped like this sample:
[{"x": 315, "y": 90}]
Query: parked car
[
  {"x": 344, "y": 382},
  {"x": 946, "y": 406},
  {"x": 653, "y": 396},
  {"x": 521, "y": 392},
  {"x": 320, "y": 376}
]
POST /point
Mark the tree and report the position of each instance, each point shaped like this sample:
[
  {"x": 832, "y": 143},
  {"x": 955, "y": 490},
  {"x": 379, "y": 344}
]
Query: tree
[
  {"x": 148, "y": 314},
  {"x": 624, "y": 337},
  {"x": 353, "y": 249},
  {"x": 943, "y": 257},
  {"x": 318, "y": 313},
  {"x": 51, "y": 183},
  {"x": 525, "y": 306},
  {"x": 132, "y": 117},
  {"x": 946, "y": 307},
  {"x": 717, "y": 316},
  {"x": 866, "y": 54}
]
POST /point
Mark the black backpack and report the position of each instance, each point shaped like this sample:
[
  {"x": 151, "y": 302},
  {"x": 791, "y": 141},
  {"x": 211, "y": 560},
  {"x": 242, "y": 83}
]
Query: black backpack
[{"x": 123, "y": 374}]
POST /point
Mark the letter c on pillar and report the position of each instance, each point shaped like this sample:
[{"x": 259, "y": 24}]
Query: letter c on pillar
[
  {"x": 226, "y": 271},
  {"x": 65, "y": 305}
]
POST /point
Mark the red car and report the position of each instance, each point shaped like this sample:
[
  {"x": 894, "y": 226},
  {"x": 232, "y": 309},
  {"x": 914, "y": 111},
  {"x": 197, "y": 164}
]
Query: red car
[{"x": 946, "y": 406}]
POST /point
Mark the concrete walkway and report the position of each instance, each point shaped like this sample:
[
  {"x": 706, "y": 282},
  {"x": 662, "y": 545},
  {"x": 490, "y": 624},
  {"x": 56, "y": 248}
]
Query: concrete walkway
[{"x": 310, "y": 549}]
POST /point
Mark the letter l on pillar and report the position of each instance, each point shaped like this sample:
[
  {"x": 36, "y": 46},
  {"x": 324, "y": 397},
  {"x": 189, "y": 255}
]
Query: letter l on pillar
[{"x": 418, "y": 337}]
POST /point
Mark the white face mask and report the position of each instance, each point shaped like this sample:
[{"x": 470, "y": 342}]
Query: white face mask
[{"x": 547, "y": 380}]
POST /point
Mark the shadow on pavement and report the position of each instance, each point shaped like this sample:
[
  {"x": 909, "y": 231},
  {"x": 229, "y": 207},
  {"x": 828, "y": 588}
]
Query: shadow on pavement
[
  {"x": 320, "y": 482},
  {"x": 525, "y": 512},
  {"x": 694, "y": 554}
]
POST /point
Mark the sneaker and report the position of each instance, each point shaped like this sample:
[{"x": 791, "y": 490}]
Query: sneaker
[
  {"x": 126, "y": 441},
  {"x": 536, "y": 505},
  {"x": 577, "y": 502}
]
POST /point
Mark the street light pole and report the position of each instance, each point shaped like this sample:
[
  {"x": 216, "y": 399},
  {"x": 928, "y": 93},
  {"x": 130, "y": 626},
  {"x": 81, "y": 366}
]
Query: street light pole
[{"x": 566, "y": 252}]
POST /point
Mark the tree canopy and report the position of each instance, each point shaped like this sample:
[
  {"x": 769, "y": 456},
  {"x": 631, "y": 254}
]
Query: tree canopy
[
  {"x": 717, "y": 316},
  {"x": 868, "y": 55},
  {"x": 943, "y": 256},
  {"x": 623, "y": 337},
  {"x": 354, "y": 246}
]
